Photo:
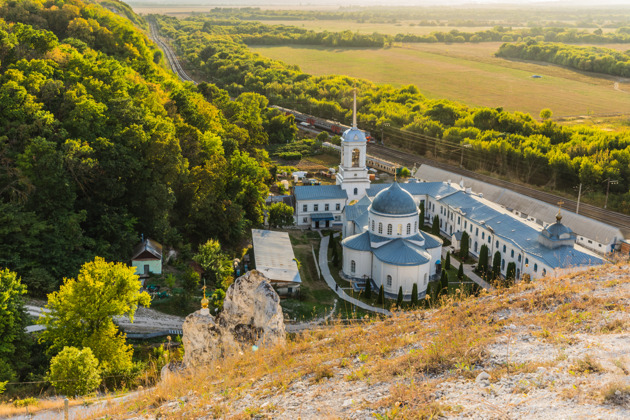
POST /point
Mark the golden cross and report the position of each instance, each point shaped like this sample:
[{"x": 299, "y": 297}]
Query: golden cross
[{"x": 560, "y": 203}]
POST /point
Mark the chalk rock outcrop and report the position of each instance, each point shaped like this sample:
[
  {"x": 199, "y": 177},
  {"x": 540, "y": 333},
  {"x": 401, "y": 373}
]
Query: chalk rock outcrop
[{"x": 251, "y": 316}]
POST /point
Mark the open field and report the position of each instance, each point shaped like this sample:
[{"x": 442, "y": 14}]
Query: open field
[{"x": 468, "y": 73}]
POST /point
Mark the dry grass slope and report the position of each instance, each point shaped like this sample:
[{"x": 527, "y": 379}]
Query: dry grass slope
[{"x": 558, "y": 347}]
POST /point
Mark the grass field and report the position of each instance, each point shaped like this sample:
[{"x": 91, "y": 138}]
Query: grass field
[{"x": 468, "y": 73}]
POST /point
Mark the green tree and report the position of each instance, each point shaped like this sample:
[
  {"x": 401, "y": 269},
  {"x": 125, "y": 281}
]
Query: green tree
[
  {"x": 280, "y": 215},
  {"x": 496, "y": 265},
  {"x": 80, "y": 312},
  {"x": 464, "y": 246},
  {"x": 482, "y": 265},
  {"x": 404, "y": 172},
  {"x": 435, "y": 227},
  {"x": 414, "y": 295},
  {"x": 74, "y": 372},
  {"x": 444, "y": 283},
  {"x": 381, "y": 296},
  {"x": 216, "y": 265},
  {"x": 421, "y": 216},
  {"x": 399, "y": 299},
  {"x": 190, "y": 282},
  {"x": 13, "y": 354},
  {"x": 447, "y": 262},
  {"x": 323, "y": 136},
  {"x": 460, "y": 272},
  {"x": 545, "y": 114},
  {"x": 368, "y": 289},
  {"x": 510, "y": 273}
]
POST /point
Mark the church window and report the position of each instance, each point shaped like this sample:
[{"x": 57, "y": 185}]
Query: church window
[
  {"x": 476, "y": 231},
  {"x": 502, "y": 264},
  {"x": 356, "y": 154},
  {"x": 380, "y": 227},
  {"x": 535, "y": 268},
  {"x": 526, "y": 260},
  {"x": 373, "y": 223},
  {"x": 326, "y": 207},
  {"x": 544, "y": 272},
  {"x": 315, "y": 207},
  {"x": 465, "y": 224},
  {"x": 483, "y": 235},
  {"x": 356, "y": 191},
  {"x": 389, "y": 229},
  {"x": 353, "y": 266},
  {"x": 399, "y": 230},
  {"x": 512, "y": 254},
  {"x": 305, "y": 207},
  {"x": 389, "y": 280},
  {"x": 519, "y": 257},
  {"x": 459, "y": 220},
  {"x": 408, "y": 228},
  {"x": 504, "y": 248},
  {"x": 337, "y": 206},
  {"x": 497, "y": 244},
  {"x": 305, "y": 219}
]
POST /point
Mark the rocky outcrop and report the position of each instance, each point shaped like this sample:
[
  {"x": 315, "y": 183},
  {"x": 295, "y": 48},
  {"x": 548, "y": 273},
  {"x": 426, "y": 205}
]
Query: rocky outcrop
[{"x": 251, "y": 316}]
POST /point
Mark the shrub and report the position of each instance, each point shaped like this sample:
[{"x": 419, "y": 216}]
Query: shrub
[
  {"x": 447, "y": 263},
  {"x": 381, "y": 296},
  {"x": 399, "y": 300},
  {"x": 414, "y": 295},
  {"x": 460, "y": 272},
  {"x": 368, "y": 288},
  {"x": 74, "y": 371}
]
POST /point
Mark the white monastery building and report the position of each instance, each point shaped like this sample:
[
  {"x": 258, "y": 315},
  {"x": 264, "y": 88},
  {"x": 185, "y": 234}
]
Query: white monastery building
[{"x": 382, "y": 237}]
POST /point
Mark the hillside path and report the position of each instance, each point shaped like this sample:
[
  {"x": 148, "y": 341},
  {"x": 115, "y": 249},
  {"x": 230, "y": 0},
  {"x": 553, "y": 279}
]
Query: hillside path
[{"x": 325, "y": 271}]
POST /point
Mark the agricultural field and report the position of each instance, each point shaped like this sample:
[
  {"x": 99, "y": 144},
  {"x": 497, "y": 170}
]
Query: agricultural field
[{"x": 468, "y": 73}]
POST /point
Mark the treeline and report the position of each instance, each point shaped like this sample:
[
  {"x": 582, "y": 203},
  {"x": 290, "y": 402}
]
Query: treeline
[
  {"x": 101, "y": 144},
  {"x": 257, "y": 33},
  {"x": 595, "y": 59},
  {"x": 482, "y": 15},
  {"x": 513, "y": 144}
]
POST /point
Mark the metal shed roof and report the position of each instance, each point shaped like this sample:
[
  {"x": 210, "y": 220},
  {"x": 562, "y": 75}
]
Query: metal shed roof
[{"x": 274, "y": 256}]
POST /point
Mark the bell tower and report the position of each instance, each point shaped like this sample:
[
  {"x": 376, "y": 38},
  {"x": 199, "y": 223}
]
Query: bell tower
[{"x": 353, "y": 175}]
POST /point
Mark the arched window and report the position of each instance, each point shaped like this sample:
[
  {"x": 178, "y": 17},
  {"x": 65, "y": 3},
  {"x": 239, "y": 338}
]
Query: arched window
[
  {"x": 380, "y": 227},
  {"x": 535, "y": 268},
  {"x": 373, "y": 223},
  {"x": 504, "y": 248},
  {"x": 496, "y": 245},
  {"x": 408, "y": 228},
  {"x": 526, "y": 260},
  {"x": 544, "y": 272},
  {"x": 399, "y": 230},
  {"x": 353, "y": 266},
  {"x": 389, "y": 229},
  {"x": 519, "y": 257},
  {"x": 512, "y": 254},
  {"x": 356, "y": 154},
  {"x": 389, "y": 280},
  {"x": 356, "y": 191}
]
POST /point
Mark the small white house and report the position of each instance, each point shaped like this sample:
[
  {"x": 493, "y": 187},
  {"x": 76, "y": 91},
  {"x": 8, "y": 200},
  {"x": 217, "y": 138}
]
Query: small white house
[{"x": 147, "y": 258}]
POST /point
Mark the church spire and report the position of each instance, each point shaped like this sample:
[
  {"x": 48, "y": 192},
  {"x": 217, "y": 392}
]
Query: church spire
[
  {"x": 354, "y": 110},
  {"x": 559, "y": 215}
]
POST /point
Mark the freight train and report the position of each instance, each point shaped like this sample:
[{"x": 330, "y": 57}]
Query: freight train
[
  {"x": 371, "y": 161},
  {"x": 328, "y": 125}
]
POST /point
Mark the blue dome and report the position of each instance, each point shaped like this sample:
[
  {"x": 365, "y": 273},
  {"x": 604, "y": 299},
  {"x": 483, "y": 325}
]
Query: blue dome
[
  {"x": 353, "y": 134},
  {"x": 554, "y": 231},
  {"x": 394, "y": 200}
]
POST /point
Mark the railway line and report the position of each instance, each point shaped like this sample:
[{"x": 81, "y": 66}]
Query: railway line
[
  {"x": 408, "y": 159},
  {"x": 172, "y": 59},
  {"x": 622, "y": 221}
]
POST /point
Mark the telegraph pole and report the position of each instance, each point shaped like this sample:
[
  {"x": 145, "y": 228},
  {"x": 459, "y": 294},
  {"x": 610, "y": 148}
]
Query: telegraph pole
[
  {"x": 577, "y": 209},
  {"x": 610, "y": 181}
]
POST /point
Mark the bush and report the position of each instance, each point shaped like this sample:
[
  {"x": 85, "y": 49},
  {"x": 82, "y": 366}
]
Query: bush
[
  {"x": 399, "y": 300},
  {"x": 414, "y": 295},
  {"x": 381, "y": 296},
  {"x": 74, "y": 371},
  {"x": 368, "y": 289},
  {"x": 290, "y": 156}
]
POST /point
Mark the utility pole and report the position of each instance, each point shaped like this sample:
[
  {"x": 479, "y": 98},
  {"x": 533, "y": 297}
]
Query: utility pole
[
  {"x": 610, "y": 181},
  {"x": 577, "y": 209}
]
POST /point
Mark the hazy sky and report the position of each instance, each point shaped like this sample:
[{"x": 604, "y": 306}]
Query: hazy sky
[{"x": 303, "y": 3}]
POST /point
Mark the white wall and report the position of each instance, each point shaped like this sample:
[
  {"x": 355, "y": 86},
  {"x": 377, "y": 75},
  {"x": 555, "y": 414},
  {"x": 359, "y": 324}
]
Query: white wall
[
  {"x": 404, "y": 276},
  {"x": 363, "y": 260}
]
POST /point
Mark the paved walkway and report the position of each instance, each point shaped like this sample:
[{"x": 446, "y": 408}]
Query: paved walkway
[
  {"x": 468, "y": 271},
  {"x": 323, "y": 266}
]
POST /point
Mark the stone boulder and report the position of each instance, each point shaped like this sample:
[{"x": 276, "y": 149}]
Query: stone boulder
[{"x": 251, "y": 316}]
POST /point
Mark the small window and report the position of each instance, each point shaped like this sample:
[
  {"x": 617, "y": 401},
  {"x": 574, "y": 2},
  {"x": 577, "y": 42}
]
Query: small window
[
  {"x": 353, "y": 266},
  {"x": 389, "y": 280},
  {"x": 512, "y": 254},
  {"x": 305, "y": 219},
  {"x": 315, "y": 207},
  {"x": 544, "y": 272},
  {"x": 483, "y": 235},
  {"x": 337, "y": 206},
  {"x": 519, "y": 257},
  {"x": 489, "y": 239},
  {"x": 305, "y": 207},
  {"x": 526, "y": 260},
  {"x": 408, "y": 228},
  {"x": 502, "y": 264},
  {"x": 535, "y": 268},
  {"x": 373, "y": 225},
  {"x": 476, "y": 231},
  {"x": 459, "y": 220},
  {"x": 380, "y": 227},
  {"x": 496, "y": 245},
  {"x": 337, "y": 218},
  {"x": 465, "y": 224},
  {"x": 504, "y": 248},
  {"x": 356, "y": 191},
  {"x": 590, "y": 242},
  {"x": 326, "y": 207},
  {"x": 389, "y": 229},
  {"x": 399, "y": 230}
]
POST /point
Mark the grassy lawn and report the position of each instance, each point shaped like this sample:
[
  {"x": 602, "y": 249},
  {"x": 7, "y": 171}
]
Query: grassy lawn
[{"x": 464, "y": 72}]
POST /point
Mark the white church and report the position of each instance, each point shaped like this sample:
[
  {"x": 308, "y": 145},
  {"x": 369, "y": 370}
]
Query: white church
[{"x": 383, "y": 240}]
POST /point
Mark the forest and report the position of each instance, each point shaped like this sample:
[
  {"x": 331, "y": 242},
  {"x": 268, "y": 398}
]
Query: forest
[
  {"x": 594, "y": 59},
  {"x": 496, "y": 141},
  {"x": 101, "y": 145}
]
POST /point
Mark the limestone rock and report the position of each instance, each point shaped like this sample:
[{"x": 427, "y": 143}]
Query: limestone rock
[
  {"x": 252, "y": 312},
  {"x": 251, "y": 316}
]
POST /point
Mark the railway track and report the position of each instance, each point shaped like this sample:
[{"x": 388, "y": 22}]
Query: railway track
[
  {"x": 622, "y": 221},
  {"x": 172, "y": 59}
]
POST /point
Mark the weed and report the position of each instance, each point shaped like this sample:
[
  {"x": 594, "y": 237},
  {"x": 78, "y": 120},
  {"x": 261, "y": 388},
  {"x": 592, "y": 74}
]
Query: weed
[
  {"x": 586, "y": 366},
  {"x": 617, "y": 393}
]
